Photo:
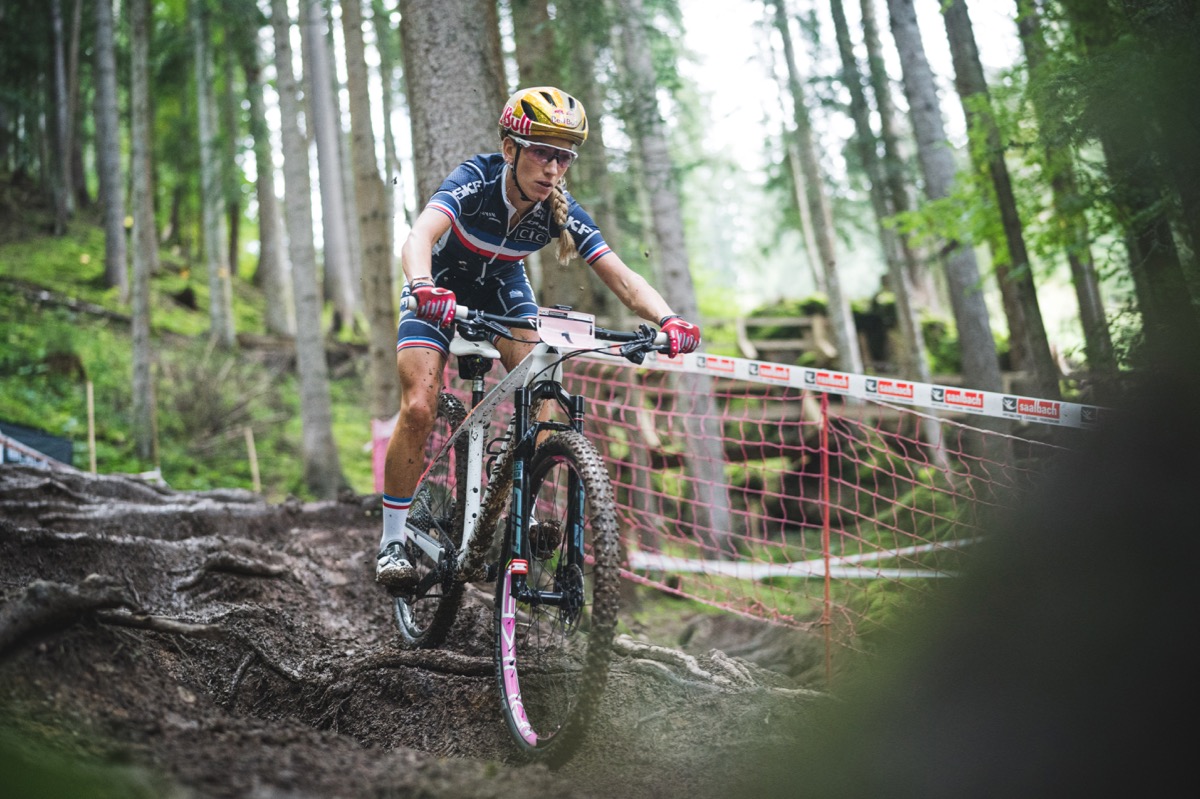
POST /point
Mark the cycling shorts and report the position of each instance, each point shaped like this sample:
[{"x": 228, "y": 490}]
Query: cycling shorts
[{"x": 506, "y": 292}]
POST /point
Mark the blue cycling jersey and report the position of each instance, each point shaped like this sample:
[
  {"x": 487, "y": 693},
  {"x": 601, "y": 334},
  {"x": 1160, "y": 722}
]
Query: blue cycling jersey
[
  {"x": 480, "y": 258},
  {"x": 479, "y": 235}
]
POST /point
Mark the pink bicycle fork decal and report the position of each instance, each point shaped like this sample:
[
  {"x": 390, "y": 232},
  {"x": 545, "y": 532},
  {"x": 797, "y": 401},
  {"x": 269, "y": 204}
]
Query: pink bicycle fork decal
[{"x": 508, "y": 655}]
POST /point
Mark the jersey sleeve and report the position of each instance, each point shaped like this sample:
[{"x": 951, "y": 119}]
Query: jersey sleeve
[
  {"x": 465, "y": 182},
  {"x": 588, "y": 241}
]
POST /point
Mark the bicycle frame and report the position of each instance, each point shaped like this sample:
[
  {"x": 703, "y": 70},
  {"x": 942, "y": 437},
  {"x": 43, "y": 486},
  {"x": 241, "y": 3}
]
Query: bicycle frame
[{"x": 542, "y": 367}]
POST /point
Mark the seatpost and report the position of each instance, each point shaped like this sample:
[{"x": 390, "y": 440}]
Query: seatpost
[{"x": 473, "y": 368}]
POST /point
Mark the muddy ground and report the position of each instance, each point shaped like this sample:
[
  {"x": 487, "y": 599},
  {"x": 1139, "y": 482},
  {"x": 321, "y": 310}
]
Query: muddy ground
[{"x": 162, "y": 643}]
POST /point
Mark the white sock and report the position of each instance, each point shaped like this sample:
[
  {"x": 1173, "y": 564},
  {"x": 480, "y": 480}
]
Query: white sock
[{"x": 395, "y": 516}]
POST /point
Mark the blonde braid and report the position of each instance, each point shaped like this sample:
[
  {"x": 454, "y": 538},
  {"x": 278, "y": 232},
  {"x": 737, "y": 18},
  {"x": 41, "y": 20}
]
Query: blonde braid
[{"x": 559, "y": 207}]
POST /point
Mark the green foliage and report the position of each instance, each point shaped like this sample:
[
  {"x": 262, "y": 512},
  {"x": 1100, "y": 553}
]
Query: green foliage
[
  {"x": 882, "y": 606},
  {"x": 805, "y": 306},
  {"x": 40, "y": 760},
  {"x": 942, "y": 346},
  {"x": 926, "y": 512},
  {"x": 25, "y": 36},
  {"x": 61, "y": 328}
]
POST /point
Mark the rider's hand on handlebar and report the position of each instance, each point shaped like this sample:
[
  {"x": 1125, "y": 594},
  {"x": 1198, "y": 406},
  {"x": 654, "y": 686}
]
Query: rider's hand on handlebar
[
  {"x": 682, "y": 335},
  {"x": 434, "y": 304}
]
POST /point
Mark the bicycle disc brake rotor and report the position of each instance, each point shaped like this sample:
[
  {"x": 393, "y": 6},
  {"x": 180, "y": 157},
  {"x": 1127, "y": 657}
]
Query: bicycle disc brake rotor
[{"x": 569, "y": 582}]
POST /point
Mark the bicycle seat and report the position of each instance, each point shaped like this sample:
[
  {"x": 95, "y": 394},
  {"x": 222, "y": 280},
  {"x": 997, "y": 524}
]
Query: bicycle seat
[{"x": 460, "y": 346}]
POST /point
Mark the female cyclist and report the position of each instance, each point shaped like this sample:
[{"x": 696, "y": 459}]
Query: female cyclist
[{"x": 468, "y": 245}]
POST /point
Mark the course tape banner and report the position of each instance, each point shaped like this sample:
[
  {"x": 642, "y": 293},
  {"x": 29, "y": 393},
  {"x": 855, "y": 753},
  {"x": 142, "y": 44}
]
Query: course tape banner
[{"x": 932, "y": 396}]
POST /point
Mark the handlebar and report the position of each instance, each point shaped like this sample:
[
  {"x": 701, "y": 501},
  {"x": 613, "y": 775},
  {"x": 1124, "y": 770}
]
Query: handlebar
[{"x": 476, "y": 324}]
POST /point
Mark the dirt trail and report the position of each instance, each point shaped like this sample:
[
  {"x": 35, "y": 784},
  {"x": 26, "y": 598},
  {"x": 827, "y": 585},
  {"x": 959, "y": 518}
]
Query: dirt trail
[{"x": 162, "y": 643}]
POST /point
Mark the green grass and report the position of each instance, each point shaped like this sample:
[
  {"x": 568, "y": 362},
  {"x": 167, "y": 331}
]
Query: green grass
[{"x": 50, "y": 349}]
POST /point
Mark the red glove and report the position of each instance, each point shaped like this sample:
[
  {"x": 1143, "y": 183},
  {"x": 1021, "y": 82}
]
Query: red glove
[
  {"x": 682, "y": 335},
  {"x": 434, "y": 304}
]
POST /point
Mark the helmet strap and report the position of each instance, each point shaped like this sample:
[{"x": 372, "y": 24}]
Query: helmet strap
[{"x": 517, "y": 183}]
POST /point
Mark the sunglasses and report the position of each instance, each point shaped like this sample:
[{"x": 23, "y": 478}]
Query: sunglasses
[{"x": 543, "y": 154}]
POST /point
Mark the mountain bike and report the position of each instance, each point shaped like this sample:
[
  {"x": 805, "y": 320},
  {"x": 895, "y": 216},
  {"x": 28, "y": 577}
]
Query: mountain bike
[{"x": 533, "y": 511}]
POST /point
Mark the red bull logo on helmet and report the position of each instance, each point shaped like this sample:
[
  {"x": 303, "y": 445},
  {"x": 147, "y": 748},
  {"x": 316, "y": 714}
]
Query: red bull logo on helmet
[{"x": 520, "y": 125}]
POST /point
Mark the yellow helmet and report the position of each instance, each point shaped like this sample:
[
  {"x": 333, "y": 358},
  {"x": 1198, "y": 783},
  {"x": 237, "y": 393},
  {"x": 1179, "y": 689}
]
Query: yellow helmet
[{"x": 544, "y": 111}]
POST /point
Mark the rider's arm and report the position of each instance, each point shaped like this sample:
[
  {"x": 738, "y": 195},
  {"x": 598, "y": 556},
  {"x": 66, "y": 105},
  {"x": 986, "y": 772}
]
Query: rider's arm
[
  {"x": 631, "y": 288},
  {"x": 416, "y": 256}
]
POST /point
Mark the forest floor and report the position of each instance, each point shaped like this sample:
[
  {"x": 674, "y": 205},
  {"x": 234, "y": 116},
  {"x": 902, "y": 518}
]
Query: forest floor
[{"x": 163, "y": 643}]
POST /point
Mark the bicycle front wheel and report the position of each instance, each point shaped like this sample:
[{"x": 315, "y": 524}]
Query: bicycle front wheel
[
  {"x": 435, "y": 524},
  {"x": 554, "y": 638}
]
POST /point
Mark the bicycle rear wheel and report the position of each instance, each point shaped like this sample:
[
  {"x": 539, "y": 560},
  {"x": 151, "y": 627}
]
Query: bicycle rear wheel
[
  {"x": 426, "y": 614},
  {"x": 552, "y": 658}
]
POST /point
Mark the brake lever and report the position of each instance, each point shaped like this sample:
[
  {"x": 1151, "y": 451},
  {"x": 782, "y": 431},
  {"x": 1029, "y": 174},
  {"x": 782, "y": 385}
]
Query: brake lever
[
  {"x": 635, "y": 351},
  {"x": 476, "y": 329}
]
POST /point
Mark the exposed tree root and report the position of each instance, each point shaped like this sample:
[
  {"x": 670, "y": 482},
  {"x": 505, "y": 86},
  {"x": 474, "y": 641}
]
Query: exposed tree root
[
  {"x": 230, "y": 563},
  {"x": 44, "y": 607},
  {"x": 681, "y": 668},
  {"x": 160, "y": 624},
  {"x": 441, "y": 661}
]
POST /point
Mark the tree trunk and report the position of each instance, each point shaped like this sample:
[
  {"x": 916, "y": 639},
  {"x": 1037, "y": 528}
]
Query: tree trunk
[
  {"x": 1167, "y": 32},
  {"x": 108, "y": 153},
  {"x": 704, "y": 456},
  {"x": 468, "y": 78},
  {"x": 220, "y": 288},
  {"x": 981, "y": 368},
  {"x": 354, "y": 244},
  {"x": 1016, "y": 272},
  {"x": 533, "y": 36},
  {"x": 1171, "y": 328},
  {"x": 273, "y": 274},
  {"x": 849, "y": 355},
  {"x": 230, "y": 194},
  {"x": 804, "y": 209},
  {"x": 924, "y": 290},
  {"x": 78, "y": 186},
  {"x": 326, "y": 129},
  {"x": 1169, "y": 322},
  {"x": 61, "y": 177},
  {"x": 799, "y": 193},
  {"x": 913, "y": 360},
  {"x": 145, "y": 241},
  {"x": 373, "y": 222},
  {"x": 1060, "y": 166},
  {"x": 386, "y": 42},
  {"x": 583, "y": 23},
  {"x": 322, "y": 466}
]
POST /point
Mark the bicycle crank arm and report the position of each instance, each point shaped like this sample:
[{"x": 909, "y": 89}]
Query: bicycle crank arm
[{"x": 428, "y": 545}]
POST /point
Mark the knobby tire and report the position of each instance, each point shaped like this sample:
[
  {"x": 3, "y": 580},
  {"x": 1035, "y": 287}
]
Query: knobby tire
[
  {"x": 552, "y": 662},
  {"x": 426, "y": 616}
]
